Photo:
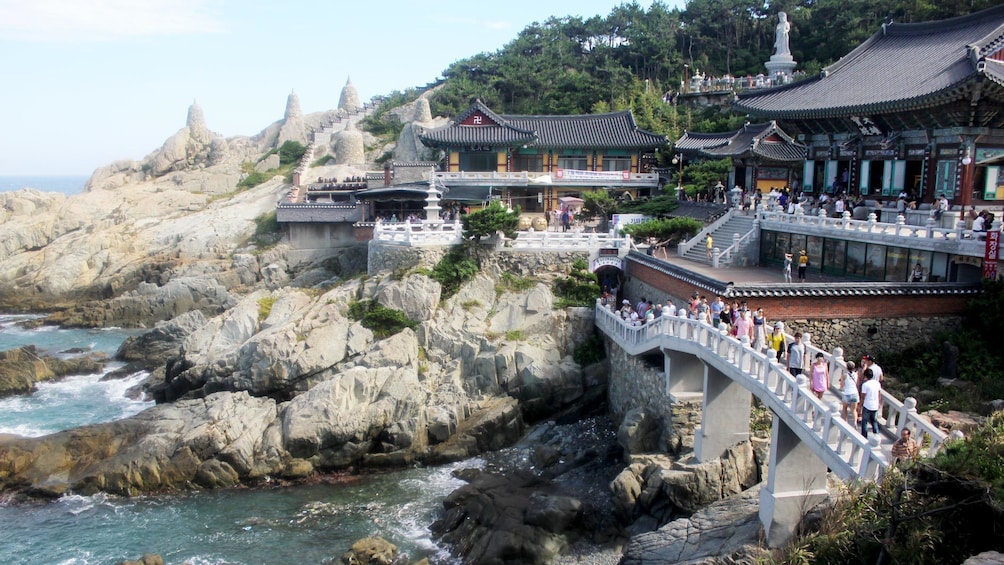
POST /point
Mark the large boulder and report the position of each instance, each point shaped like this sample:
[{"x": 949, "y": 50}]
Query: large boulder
[
  {"x": 728, "y": 529},
  {"x": 341, "y": 419},
  {"x": 214, "y": 441},
  {"x": 21, "y": 368}
]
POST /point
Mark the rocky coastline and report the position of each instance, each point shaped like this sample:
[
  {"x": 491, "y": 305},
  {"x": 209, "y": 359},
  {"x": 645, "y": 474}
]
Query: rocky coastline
[{"x": 262, "y": 376}]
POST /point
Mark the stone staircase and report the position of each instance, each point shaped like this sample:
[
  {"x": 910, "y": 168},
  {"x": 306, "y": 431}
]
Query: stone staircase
[{"x": 722, "y": 237}]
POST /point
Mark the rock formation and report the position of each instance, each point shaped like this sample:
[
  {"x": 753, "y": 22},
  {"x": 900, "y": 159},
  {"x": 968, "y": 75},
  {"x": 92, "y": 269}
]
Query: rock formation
[
  {"x": 23, "y": 367},
  {"x": 284, "y": 384}
]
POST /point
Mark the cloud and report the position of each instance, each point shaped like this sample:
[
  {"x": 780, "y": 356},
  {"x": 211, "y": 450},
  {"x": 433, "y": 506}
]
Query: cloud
[{"x": 104, "y": 20}]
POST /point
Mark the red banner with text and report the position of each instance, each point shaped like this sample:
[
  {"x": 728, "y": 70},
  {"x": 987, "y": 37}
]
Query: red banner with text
[{"x": 990, "y": 255}]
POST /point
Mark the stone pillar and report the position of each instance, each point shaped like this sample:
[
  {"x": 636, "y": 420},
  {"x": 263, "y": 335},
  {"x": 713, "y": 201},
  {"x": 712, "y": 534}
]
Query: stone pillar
[
  {"x": 796, "y": 482},
  {"x": 725, "y": 416},
  {"x": 684, "y": 375}
]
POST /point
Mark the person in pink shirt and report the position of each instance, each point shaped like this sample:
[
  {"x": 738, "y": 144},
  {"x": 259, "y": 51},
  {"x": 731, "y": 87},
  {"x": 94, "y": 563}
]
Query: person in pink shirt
[
  {"x": 819, "y": 376},
  {"x": 744, "y": 325}
]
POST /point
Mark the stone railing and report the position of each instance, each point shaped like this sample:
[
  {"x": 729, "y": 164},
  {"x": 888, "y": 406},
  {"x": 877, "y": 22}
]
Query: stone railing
[
  {"x": 700, "y": 238},
  {"x": 566, "y": 178},
  {"x": 740, "y": 244},
  {"x": 567, "y": 241},
  {"x": 421, "y": 233},
  {"x": 837, "y": 443},
  {"x": 929, "y": 237}
]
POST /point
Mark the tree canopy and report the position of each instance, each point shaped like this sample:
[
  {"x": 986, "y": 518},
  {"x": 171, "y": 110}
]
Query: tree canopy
[{"x": 633, "y": 56}]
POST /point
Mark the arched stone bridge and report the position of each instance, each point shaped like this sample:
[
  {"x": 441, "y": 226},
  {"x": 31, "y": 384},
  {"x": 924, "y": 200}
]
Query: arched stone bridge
[{"x": 808, "y": 437}]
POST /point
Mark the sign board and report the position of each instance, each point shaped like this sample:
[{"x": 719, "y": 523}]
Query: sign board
[
  {"x": 616, "y": 262},
  {"x": 990, "y": 255},
  {"x": 625, "y": 219},
  {"x": 572, "y": 174}
]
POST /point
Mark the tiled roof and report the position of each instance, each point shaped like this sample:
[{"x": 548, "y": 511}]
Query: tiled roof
[
  {"x": 729, "y": 289},
  {"x": 766, "y": 141},
  {"x": 901, "y": 67},
  {"x": 614, "y": 130}
]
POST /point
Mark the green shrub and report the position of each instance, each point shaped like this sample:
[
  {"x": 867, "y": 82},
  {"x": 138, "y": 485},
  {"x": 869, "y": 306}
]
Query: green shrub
[
  {"x": 580, "y": 288},
  {"x": 253, "y": 179},
  {"x": 454, "y": 269},
  {"x": 672, "y": 229},
  {"x": 590, "y": 351},
  {"x": 323, "y": 160},
  {"x": 266, "y": 230},
  {"x": 265, "y": 304},
  {"x": 489, "y": 220},
  {"x": 515, "y": 335},
  {"x": 291, "y": 152},
  {"x": 512, "y": 283},
  {"x": 382, "y": 321}
]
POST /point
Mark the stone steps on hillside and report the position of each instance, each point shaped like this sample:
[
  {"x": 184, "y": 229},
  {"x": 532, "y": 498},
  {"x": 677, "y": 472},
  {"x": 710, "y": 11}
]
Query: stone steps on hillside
[{"x": 721, "y": 238}]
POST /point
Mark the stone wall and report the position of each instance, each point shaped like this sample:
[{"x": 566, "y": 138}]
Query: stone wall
[
  {"x": 873, "y": 335},
  {"x": 533, "y": 263},
  {"x": 636, "y": 384},
  {"x": 391, "y": 257}
]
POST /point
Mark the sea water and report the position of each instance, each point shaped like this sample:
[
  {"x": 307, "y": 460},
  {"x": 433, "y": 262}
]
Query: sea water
[
  {"x": 301, "y": 524},
  {"x": 67, "y": 184}
]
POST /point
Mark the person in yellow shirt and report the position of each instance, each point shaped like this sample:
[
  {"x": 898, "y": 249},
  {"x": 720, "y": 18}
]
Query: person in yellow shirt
[
  {"x": 803, "y": 265},
  {"x": 710, "y": 244},
  {"x": 775, "y": 341}
]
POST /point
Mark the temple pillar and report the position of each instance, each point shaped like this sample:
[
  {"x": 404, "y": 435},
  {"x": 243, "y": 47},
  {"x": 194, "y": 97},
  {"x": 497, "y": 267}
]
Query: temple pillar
[
  {"x": 796, "y": 482},
  {"x": 725, "y": 415}
]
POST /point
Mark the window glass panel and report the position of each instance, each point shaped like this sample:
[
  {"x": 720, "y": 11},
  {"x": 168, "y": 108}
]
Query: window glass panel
[
  {"x": 924, "y": 258},
  {"x": 875, "y": 263},
  {"x": 530, "y": 163},
  {"x": 834, "y": 251},
  {"x": 897, "y": 264},
  {"x": 855, "y": 259},
  {"x": 478, "y": 161},
  {"x": 768, "y": 240},
  {"x": 783, "y": 245},
  {"x": 616, "y": 163},
  {"x": 814, "y": 246},
  {"x": 574, "y": 163},
  {"x": 797, "y": 243}
]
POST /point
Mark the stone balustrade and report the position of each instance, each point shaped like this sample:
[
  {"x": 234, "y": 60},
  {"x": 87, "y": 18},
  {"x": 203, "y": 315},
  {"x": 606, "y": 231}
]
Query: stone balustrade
[
  {"x": 929, "y": 237},
  {"x": 424, "y": 233},
  {"x": 773, "y": 384}
]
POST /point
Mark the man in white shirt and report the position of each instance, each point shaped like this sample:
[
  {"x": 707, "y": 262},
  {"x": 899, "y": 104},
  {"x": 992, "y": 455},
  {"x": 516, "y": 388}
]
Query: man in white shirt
[{"x": 871, "y": 391}]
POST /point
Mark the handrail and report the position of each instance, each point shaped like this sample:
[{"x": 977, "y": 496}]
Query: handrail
[
  {"x": 844, "y": 449},
  {"x": 872, "y": 227},
  {"x": 686, "y": 246},
  {"x": 725, "y": 255}
]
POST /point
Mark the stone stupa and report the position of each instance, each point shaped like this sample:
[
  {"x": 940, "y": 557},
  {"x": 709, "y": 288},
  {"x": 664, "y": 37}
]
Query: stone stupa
[
  {"x": 292, "y": 122},
  {"x": 349, "y": 99}
]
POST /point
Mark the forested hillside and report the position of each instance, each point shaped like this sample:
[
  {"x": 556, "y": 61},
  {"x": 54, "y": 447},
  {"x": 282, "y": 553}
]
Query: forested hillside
[{"x": 631, "y": 57}]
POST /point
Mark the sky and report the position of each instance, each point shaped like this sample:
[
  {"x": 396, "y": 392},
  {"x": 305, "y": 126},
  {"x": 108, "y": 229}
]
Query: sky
[{"x": 84, "y": 83}]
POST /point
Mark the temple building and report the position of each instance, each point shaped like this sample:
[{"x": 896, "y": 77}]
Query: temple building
[
  {"x": 536, "y": 161},
  {"x": 916, "y": 108},
  {"x": 763, "y": 155}
]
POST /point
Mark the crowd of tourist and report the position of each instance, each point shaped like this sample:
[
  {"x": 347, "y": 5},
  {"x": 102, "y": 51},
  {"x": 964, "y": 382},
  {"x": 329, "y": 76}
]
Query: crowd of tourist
[{"x": 859, "y": 386}]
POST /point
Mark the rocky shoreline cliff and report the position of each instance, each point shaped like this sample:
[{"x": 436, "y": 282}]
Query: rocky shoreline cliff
[{"x": 262, "y": 374}]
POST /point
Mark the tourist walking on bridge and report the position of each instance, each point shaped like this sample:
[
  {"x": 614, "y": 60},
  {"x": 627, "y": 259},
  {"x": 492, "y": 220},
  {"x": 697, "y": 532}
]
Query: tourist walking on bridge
[
  {"x": 796, "y": 355},
  {"x": 849, "y": 393},
  {"x": 819, "y": 376},
  {"x": 871, "y": 390}
]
